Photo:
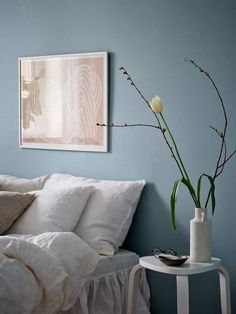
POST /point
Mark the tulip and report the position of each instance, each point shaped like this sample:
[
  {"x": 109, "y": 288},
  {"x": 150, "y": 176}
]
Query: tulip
[{"x": 156, "y": 104}]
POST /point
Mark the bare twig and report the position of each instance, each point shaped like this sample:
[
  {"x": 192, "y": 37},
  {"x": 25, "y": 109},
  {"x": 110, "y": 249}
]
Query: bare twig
[
  {"x": 217, "y": 131},
  {"x": 223, "y": 108},
  {"x": 216, "y": 173},
  {"x": 129, "y": 125},
  {"x": 227, "y": 159},
  {"x": 220, "y": 167}
]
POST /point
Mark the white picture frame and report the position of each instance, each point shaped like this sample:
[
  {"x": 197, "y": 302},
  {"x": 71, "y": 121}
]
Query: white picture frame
[{"x": 61, "y": 100}]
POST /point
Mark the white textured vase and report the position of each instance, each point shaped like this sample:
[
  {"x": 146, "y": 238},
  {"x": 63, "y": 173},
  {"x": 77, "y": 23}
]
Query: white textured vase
[{"x": 200, "y": 237}]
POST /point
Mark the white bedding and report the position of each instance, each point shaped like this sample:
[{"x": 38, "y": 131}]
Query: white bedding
[
  {"x": 105, "y": 290},
  {"x": 108, "y": 264},
  {"x": 40, "y": 274}
]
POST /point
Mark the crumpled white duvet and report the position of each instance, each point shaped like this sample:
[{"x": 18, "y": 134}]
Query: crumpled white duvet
[{"x": 40, "y": 274}]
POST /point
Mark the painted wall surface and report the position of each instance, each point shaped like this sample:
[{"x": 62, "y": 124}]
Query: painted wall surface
[{"x": 151, "y": 38}]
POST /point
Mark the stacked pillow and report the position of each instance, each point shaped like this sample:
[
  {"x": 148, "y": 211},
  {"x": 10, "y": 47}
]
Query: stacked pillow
[
  {"x": 53, "y": 211},
  {"x": 99, "y": 211},
  {"x": 108, "y": 214}
]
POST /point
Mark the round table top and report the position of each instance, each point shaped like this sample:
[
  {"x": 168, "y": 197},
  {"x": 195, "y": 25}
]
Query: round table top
[{"x": 188, "y": 268}]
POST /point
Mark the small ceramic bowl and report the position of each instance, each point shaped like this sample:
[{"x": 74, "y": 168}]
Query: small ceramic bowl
[{"x": 171, "y": 260}]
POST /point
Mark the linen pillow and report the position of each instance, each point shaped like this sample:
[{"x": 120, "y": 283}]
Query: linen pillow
[
  {"x": 12, "y": 205},
  {"x": 11, "y": 183},
  {"x": 53, "y": 211},
  {"x": 108, "y": 214}
]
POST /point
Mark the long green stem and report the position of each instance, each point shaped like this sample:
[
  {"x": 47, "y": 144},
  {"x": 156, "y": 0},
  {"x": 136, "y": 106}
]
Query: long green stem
[
  {"x": 175, "y": 146},
  {"x": 191, "y": 189}
]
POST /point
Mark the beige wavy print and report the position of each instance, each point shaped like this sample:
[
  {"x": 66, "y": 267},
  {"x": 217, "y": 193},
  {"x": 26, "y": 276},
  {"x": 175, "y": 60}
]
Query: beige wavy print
[{"x": 62, "y": 112}]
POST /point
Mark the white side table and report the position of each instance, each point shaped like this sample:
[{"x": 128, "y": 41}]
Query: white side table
[{"x": 181, "y": 272}]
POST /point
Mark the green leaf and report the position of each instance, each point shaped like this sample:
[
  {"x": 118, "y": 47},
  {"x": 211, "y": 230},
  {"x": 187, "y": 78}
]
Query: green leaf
[
  {"x": 173, "y": 199},
  {"x": 188, "y": 184},
  {"x": 213, "y": 200},
  {"x": 199, "y": 190},
  {"x": 212, "y": 190}
]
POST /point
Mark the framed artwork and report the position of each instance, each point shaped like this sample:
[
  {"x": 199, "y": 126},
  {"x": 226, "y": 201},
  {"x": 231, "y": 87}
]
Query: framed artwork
[{"x": 61, "y": 99}]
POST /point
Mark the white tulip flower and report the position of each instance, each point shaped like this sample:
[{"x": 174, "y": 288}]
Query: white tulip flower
[{"x": 156, "y": 104}]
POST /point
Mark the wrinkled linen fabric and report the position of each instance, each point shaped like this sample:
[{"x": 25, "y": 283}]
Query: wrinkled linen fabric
[
  {"x": 108, "y": 295},
  {"x": 105, "y": 291},
  {"x": 22, "y": 185},
  {"x": 108, "y": 214},
  {"x": 40, "y": 274}
]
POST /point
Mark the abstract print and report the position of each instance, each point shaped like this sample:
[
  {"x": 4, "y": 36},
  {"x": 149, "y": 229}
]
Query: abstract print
[{"x": 62, "y": 98}]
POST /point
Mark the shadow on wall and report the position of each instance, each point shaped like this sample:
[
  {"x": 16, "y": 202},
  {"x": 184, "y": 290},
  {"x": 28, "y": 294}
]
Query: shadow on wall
[{"x": 151, "y": 226}]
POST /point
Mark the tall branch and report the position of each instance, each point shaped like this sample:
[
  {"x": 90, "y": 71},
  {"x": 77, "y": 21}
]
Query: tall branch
[
  {"x": 130, "y": 80},
  {"x": 223, "y": 108},
  {"x": 224, "y": 130}
]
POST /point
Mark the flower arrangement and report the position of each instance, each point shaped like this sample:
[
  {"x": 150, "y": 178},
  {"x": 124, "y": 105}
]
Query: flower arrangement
[{"x": 156, "y": 106}]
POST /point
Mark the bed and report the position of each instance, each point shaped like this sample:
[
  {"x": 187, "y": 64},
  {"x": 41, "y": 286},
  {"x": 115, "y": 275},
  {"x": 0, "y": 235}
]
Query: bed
[
  {"x": 106, "y": 289},
  {"x": 60, "y": 249},
  {"x": 40, "y": 274}
]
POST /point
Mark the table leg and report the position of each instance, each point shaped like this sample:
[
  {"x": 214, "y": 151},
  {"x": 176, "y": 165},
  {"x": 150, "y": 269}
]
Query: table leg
[
  {"x": 182, "y": 294},
  {"x": 134, "y": 278},
  {"x": 224, "y": 290}
]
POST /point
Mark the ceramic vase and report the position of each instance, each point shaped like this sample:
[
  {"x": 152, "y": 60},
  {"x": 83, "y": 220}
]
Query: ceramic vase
[{"x": 200, "y": 237}]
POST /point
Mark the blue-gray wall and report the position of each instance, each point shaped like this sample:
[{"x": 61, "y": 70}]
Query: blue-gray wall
[{"x": 151, "y": 38}]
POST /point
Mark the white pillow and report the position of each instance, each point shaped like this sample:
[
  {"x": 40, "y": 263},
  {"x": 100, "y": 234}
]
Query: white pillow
[
  {"x": 108, "y": 214},
  {"x": 22, "y": 185},
  {"x": 53, "y": 210}
]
